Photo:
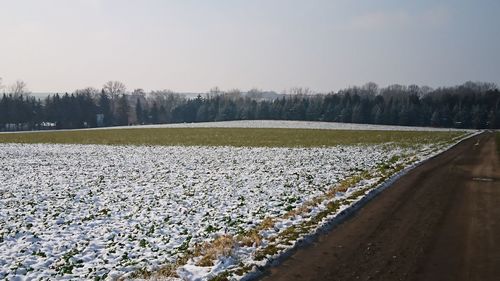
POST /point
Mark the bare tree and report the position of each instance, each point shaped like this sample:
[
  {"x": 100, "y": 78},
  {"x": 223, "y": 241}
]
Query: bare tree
[
  {"x": 371, "y": 88},
  {"x": 90, "y": 91},
  {"x": 214, "y": 91},
  {"x": 114, "y": 89},
  {"x": 166, "y": 98},
  {"x": 255, "y": 93},
  {"x": 425, "y": 90},
  {"x": 233, "y": 94},
  {"x": 138, "y": 93},
  {"x": 136, "y": 101},
  {"x": 19, "y": 88},
  {"x": 299, "y": 91}
]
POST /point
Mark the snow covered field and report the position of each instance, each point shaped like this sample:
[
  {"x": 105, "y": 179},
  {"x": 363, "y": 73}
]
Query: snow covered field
[
  {"x": 95, "y": 211},
  {"x": 285, "y": 124}
]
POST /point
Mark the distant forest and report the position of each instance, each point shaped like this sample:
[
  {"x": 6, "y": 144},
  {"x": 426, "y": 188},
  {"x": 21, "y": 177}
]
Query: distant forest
[{"x": 471, "y": 105}]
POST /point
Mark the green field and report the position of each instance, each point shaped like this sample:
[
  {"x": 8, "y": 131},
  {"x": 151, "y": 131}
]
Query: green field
[{"x": 228, "y": 137}]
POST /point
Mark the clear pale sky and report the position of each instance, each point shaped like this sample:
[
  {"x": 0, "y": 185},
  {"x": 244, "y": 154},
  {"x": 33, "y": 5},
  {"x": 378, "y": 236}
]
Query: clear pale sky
[{"x": 189, "y": 46}]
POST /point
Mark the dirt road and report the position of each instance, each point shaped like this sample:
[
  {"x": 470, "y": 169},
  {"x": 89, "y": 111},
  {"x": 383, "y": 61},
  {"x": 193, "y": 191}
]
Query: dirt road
[{"x": 439, "y": 222}]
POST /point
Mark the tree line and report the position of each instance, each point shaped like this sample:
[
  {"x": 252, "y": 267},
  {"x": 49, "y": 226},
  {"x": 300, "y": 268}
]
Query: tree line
[{"x": 470, "y": 105}]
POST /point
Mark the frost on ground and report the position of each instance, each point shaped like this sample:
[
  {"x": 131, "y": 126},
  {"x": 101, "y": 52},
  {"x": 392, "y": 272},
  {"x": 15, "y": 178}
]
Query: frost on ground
[
  {"x": 89, "y": 211},
  {"x": 287, "y": 124}
]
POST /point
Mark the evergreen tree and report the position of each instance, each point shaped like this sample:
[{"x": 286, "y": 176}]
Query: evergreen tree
[
  {"x": 122, "y": 111},
  {"x": 105, "y": 109},
  {"x": 139, "y": 112}
]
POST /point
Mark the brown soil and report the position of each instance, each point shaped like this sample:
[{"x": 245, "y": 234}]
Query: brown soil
[{"x": 441, "y": 221}]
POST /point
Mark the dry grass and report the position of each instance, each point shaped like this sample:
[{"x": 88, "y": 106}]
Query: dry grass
[
  {"x": 302, "y": 209},
  {"x": 167, "y": 271},
  {"x": 164, "y": 272},
  {"x": 250, "y": 238},
  {"x": 222, "y": 246},
  {"x": 266, "y": 223},
  {"x": 343, "y": 186}
]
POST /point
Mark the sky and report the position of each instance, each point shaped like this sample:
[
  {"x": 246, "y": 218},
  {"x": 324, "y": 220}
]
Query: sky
[{"x": 192, "y": 46}]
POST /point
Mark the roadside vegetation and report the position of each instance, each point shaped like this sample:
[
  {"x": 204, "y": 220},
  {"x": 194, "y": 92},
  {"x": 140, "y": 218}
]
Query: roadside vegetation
[
  {"x": 229, "y": 137},
  {"x": 498, "y": 142}
]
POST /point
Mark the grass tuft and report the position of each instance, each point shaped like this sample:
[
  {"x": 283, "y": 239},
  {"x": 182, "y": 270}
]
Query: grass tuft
[
  {"x": 249, "y": 238},
  {"x": 222, "y": 246}
]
